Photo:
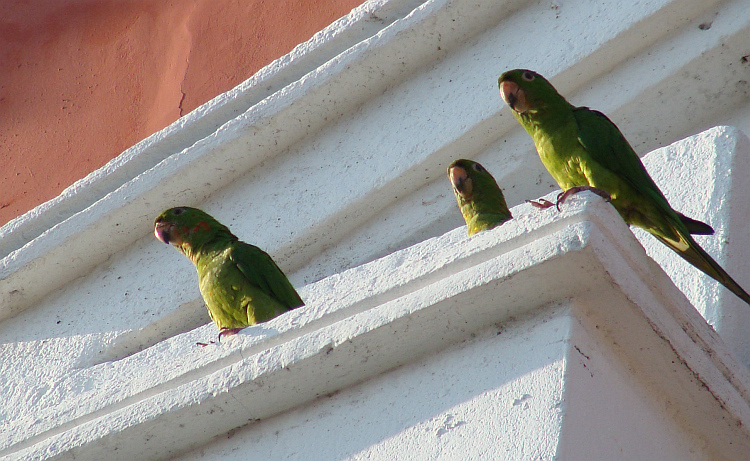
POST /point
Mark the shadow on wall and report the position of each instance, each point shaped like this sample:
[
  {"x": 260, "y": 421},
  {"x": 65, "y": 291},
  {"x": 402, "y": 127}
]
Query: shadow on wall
[{"x": 464, "y": 392}]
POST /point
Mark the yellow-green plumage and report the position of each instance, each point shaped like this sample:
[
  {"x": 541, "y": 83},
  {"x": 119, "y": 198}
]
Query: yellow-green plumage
[
  {"x": 479, "y": 198},
  {"x": 582, "y": 147},
  {"x": 240, "y": 283}
]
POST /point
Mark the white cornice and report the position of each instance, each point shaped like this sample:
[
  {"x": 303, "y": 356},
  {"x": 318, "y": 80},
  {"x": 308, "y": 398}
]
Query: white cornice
[
  {"x": 360, "y": 62},
  {"x": 386, "y": 313},
  {"x": 334, "y": 158}
]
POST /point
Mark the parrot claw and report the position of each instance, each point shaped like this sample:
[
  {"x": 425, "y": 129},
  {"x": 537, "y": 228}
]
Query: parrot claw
[
  {"x": 541, "y": 204},
  {"x": 562, "y": 196},
  {"x": 228, "y": 332}
]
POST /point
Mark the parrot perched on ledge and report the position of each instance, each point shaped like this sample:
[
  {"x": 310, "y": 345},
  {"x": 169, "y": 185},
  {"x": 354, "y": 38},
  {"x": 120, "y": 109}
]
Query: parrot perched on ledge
[
  {"x": 240, "y": 283},
  {"x": 583, "y": 150},
  {"x": 479, "y": 198}
]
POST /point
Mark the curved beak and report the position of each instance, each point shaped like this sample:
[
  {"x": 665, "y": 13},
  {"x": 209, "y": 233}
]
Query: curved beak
[
  {"x": 461, "y": 181},
  {"x": 163, "y": 231},
  {"x": 513, "y": 96}
]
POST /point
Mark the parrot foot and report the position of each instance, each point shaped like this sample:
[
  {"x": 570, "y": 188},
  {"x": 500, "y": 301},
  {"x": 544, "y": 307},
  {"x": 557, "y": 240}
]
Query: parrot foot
[
  {"x": 228, "y": 332},
  {"x": 542, "y": 203},
  {"x": 562, "y": 196}
]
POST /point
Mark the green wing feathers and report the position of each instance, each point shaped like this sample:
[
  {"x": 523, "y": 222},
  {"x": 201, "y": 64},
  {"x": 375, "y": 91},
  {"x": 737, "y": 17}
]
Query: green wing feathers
[
  {"x": 582, "y": 147},
  {"x": 260, "y": 270},
  {"x": 691, "y": 252},
  {"x": 240, "y": 283},
  {"x": 606, "y": 146},
  {"x": 694, "y": 226}
]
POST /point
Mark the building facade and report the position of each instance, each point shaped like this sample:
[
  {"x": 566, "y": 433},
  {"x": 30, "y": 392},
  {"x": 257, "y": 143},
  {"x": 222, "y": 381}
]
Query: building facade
[{"x": 554, "y": 336}]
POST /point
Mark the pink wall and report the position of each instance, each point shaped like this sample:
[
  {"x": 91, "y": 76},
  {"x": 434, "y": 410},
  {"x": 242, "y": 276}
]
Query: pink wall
[{"x": 81, "y": 81}]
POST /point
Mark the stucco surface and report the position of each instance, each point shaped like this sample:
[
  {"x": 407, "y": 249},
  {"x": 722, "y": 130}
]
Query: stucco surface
[
  {"x": 333, "y": 158},
  {"x": 460, "y": 300}
]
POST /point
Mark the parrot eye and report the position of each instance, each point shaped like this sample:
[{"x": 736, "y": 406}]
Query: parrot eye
[
  {"x": 478, "y": 167},
  {"x": 528, "y": 76},
  {"x": 178, "y": 211}
]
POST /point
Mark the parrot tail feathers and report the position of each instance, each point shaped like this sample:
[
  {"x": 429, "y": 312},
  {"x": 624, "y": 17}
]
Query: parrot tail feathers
[
  {"x": 691, "y": 252},
  {"x": 694, "y": 226}
]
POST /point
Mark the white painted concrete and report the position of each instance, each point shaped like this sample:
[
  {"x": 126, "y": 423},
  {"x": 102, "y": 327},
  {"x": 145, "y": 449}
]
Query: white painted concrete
[
  {"x": 534, "y": 388},
  {"x": 334, "y": 157},
  {"x": 645, "y": 345},
  {"x": 710, "y": 187}
]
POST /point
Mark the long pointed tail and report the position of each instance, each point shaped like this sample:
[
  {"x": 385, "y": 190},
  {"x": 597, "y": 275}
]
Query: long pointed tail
[{"x": 698, "y": 257}]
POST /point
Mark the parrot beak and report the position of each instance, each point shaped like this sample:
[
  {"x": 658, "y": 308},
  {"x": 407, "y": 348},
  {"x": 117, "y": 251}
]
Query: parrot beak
[
  {"x": 164, "y": 231},
  {"x": 461, "y": 181},
  {"x": 513, "y": 96}
]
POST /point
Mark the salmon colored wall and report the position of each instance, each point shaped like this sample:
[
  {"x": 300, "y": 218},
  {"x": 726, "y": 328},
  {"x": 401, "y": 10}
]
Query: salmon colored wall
[{"x": 83, "y": 80}]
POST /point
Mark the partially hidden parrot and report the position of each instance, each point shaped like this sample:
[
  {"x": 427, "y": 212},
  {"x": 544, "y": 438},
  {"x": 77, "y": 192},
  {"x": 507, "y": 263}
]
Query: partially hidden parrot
[
  {"x": 240, "y": 283},
  {"x": 479, "y": 198},
  {"x": 583, "y": 150}
]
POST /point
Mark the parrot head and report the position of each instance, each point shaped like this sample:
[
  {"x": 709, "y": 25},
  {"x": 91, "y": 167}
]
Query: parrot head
[
  {"x": 478, "y": 195},
  {"x": 460, "y": 174},
  {"x": 187, "y": 228},
  {"x": 470, "y": 179},
  {"x": 527, "y": 92}
]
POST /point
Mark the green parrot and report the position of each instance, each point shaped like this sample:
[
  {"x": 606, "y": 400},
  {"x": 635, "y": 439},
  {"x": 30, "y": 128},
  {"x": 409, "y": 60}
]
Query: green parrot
[
  {"x": 479, "y": 198},
  {"x": 583, "y": 150},
  {"x": 240, "y": 283}
]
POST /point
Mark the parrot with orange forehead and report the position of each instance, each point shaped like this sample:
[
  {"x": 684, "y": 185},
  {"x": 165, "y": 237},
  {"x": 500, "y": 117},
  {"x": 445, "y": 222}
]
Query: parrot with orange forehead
[
  {"x": 583, "y": 150},
  {"x": 240, "y": 283},
  {"x": 479, "y": 198}
]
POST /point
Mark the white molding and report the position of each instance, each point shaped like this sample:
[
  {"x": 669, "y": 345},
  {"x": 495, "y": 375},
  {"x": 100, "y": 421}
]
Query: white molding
[
  {"x": 333, "y": 159},
  {"x": 397, "y": 68},
  {"x": 386, "y": 313}
]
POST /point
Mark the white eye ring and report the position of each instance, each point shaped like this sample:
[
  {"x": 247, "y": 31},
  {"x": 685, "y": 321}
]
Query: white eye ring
[
  {"x": 478, "y": 167},
  {"x": 528, "y": 76}
]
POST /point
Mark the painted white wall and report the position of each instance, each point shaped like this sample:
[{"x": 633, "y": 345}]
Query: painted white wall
[
  {"x": 517, "y": 391},
  {"x": 711, "y": 188},
  {"x": 479, "y": 327},
  {"x": 335, "y": 156}
]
